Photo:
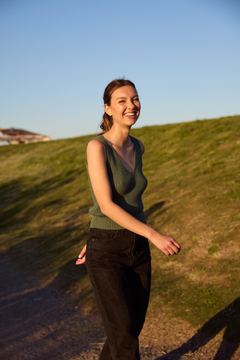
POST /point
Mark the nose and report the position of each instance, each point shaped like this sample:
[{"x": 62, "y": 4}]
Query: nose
[{"x": 131, "y": 104}]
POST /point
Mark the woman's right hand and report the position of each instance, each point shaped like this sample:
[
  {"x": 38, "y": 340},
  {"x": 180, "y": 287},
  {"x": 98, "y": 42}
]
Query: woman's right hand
[{"x": 82, "y": 256}]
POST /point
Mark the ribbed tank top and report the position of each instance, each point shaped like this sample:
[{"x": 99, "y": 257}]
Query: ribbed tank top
[{"x": 127, "y": 187}]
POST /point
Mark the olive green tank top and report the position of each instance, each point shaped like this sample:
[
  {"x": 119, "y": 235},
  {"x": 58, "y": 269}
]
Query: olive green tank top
[{"x": 127, "y": 187}]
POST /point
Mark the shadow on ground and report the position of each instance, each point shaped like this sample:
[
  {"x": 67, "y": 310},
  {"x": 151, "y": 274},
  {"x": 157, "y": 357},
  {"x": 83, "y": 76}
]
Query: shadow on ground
[
  {"x": 37, "y": 323},
  {"x": 228, "y": 318},
  {"x": 154, "y": 208}
]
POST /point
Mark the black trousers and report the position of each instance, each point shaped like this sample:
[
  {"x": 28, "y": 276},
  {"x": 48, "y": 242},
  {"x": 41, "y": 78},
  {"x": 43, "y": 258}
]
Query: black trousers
[{"x": 119, "y": 267}]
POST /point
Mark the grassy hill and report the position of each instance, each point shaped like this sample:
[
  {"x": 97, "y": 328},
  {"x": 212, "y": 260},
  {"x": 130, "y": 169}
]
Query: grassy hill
[{"x": 193, "y": 195}]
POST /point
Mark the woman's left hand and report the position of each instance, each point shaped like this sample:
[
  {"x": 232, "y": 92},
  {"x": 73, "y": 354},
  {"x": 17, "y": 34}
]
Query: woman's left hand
[
  {"x": 82, "y": 256},
  {"x": 165, "y": 243}
]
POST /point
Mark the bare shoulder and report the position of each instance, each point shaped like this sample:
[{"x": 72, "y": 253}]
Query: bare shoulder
[
  {"x": 141, "y": 146},
  {"x": 96, "y": 148},
  {"x": 95, "y": 144}
]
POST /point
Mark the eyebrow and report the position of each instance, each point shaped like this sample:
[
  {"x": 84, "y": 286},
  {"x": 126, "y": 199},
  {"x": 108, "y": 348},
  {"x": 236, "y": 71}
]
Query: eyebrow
[{"x": 123, "y": 97}]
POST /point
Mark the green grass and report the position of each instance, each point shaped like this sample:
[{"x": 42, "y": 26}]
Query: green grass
[{"x": 193, "y": 195}]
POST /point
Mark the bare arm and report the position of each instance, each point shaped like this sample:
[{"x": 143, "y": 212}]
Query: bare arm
[{"x": 96, "y": 158}]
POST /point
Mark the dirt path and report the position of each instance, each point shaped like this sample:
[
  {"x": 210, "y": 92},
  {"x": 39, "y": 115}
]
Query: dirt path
[{"x": 38, "y": 324}]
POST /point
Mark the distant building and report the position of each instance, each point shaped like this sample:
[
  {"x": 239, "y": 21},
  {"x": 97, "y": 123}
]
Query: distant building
[{"x": 19, "y": 136}]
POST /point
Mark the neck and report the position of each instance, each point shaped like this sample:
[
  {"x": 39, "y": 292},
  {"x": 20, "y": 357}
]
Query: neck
[{"x": 118, "y": 136}]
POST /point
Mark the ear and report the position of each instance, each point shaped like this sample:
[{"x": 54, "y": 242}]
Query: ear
[{"x": 108, "y": 109}]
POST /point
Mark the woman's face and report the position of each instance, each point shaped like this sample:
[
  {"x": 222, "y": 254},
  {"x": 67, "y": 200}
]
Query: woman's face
[{"x": 125, "y": 106}]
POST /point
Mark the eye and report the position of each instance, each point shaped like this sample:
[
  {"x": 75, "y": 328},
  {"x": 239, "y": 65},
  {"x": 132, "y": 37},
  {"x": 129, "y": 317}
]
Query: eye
[{"x": 121, "y": 101}]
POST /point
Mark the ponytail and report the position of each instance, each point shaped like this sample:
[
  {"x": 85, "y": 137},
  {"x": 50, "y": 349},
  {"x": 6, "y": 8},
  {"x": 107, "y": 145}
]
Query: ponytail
[{"x": 106, "y": 124}]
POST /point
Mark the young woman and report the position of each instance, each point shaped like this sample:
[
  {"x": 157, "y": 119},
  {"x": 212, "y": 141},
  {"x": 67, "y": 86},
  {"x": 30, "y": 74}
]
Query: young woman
[{"x": 117, "y": 253}]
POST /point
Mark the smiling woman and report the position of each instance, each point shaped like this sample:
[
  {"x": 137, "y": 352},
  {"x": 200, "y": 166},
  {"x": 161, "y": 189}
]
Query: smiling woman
[
  {"x": 125, "y": 106},
  {"x": 117, "y": 253},
  {"x": 111, "y": 98}
]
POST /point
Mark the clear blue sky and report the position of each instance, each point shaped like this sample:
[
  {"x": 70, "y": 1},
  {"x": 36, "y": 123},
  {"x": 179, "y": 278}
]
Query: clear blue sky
[{"x": 57, "y": 56}]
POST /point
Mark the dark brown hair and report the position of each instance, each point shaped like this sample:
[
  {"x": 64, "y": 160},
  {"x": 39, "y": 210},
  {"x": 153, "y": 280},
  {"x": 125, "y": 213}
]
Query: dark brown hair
[{"x": 107, "y": 121}]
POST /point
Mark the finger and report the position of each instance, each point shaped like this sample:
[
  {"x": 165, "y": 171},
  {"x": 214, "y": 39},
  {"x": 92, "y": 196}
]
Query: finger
[
  {"x": 171, "y": 251},
  {"x": 166, "y": 252},
  {"x": 175, "y": 251},
  {"x": 176, "y": 247},
  {"x": 81, "y": 257},
  {"x": 80, "y": 261}
]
